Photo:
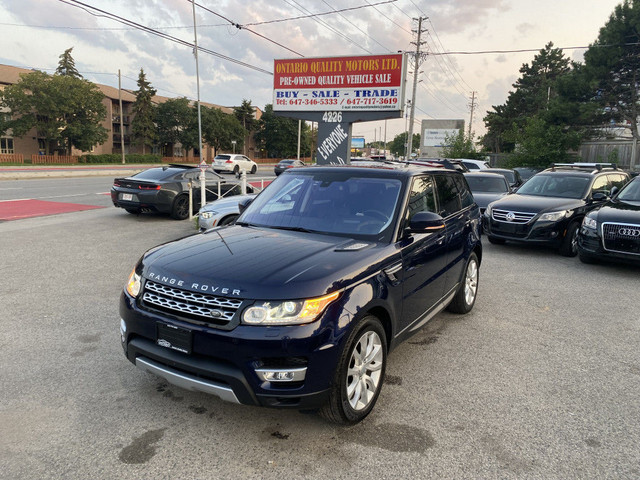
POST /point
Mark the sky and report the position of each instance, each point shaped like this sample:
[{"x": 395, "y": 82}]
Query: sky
[{"x": 35, "y": 32}]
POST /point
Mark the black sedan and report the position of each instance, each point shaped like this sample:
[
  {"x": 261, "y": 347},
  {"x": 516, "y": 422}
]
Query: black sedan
[
  {"x": 286, "y": 164},
  {"x": 613, "y": 231},
  {"x": 166, "y": 190}
]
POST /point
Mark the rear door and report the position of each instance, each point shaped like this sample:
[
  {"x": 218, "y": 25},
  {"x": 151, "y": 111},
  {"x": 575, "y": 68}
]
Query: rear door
[{"x": 455, "y": 204}]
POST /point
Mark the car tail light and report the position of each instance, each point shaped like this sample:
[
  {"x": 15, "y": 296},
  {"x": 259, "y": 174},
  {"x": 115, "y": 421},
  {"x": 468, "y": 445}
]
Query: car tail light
[
  {"x": 149, "y": 187},
  {"x": 116, "y": 183},
  {"x": 228, "y": 161}
]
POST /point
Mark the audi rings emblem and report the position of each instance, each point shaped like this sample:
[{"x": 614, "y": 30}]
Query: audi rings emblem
[
  {"x": 510, "y": 217},
  {"x": 629, "y": 232}
]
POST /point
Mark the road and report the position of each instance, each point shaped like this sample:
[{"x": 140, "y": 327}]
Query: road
[{"x": 540, "y": 380}]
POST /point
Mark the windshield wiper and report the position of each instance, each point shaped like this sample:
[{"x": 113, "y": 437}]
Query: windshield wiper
[{"x": 292, "y": 229}]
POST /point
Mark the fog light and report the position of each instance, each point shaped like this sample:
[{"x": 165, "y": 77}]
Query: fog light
[
  {"x": 281, "y": 374},
  {"x": 123, "y": 330}
]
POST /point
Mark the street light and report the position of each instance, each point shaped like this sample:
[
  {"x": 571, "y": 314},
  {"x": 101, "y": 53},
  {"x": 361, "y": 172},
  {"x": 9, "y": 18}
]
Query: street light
[{"x": 233, "y": 142}]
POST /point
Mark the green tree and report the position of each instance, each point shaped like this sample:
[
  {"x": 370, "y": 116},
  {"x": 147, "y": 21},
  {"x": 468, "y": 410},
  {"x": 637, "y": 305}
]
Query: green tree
[
  {"x": 177, "y": 122},
  {"x": 65, "y": 111},
  {"x": 220, "y": 129},
  {"x": 460, "y": 145},
  {"x": 143, "y": 127},
  {"x": 398, "y": 144},
  {"x": 615, "y": 69},
  {"x": 67, "y": 65},
  {"x": 539, "y": 144},
  {"x": 245, "y": 114},
  {"x": 279, "y": 135}
]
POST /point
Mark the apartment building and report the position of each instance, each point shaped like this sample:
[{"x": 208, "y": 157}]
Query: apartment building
[{"x": 118, "y": 131}]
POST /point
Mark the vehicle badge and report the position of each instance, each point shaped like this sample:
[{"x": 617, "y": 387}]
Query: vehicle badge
[
  {"x": 629, "y": 232},
  {"x": 164, "y": 343},
  {"x": 215, "y": 313},
  {"x": 510, "y": 217}
]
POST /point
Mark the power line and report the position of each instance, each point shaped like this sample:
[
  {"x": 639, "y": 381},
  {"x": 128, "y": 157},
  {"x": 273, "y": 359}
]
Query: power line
[
  {"x": 525, "y": 50},
  {"x": 166, "y": 36},
  {"x": 242, "y": 27}
]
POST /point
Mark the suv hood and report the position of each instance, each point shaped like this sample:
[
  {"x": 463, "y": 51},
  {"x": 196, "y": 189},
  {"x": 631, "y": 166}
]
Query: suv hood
[
  {"x": 619, "y": 211},
  {"x": 535, "y": 204},
  {"x": 261, "y": 263}
]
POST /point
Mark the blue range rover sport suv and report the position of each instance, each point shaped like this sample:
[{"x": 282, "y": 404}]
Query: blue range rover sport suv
[{"x": 298, "y": 304}]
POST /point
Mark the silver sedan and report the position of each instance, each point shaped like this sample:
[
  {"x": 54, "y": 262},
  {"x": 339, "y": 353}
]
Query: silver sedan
[{"x": 220, "y": 212}]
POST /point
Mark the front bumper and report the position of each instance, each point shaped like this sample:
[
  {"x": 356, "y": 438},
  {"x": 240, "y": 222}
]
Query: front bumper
[
  {"x": 538, "y": 232},
  {"x": 590, "y": 245},
  {"x": 228, "y": 364}
]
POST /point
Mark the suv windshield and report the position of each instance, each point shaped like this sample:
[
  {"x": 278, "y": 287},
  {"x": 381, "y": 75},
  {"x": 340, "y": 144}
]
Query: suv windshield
[
  {"x": 564, "y": 186},
  {"x": 631, "y": 193},
  {"x": 337, "y": 203}
]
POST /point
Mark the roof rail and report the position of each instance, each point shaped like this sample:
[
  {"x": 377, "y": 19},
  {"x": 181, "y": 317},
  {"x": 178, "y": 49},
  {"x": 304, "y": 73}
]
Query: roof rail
[{"x": 585, "y": 166}]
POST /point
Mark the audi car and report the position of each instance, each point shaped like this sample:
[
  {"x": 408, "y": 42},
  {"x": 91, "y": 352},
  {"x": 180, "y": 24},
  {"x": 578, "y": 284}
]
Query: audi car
[{"x": 613, "y": 231}]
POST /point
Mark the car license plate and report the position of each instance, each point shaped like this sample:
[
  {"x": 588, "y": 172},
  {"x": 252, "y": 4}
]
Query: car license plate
[
  {"x": 175, "y": 338},
  {"x": 127, "y": 197}
]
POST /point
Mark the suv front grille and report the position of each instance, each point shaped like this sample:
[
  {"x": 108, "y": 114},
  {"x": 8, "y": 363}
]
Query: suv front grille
[
  {"x": 621, "y": 237},
  {"x": 508, "y": 216},
  {"x": 190, "y": 306}
]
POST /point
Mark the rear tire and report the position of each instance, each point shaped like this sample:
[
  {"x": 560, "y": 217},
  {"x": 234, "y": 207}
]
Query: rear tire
[
  {"x": 180, "y": 209},
  {"x": 569, "y": 247},
  {"x": 467, "y": 292},
  {"x": 236, "y": 170},
  {"x": 359, "y": 375}
]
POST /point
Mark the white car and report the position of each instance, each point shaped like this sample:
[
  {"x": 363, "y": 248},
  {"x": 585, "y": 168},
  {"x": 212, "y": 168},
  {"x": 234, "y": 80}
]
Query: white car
[
  {"x": 233, "y": 163},
  {"x": 221, "y": 212},
  {"x": 474, "y": 164}
]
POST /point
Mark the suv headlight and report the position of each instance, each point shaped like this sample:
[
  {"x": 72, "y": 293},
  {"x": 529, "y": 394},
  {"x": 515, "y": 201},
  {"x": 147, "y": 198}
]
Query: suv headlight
[
  {"x": 133, "y": 284},
  {"x": 590, "y": 222},
  {"x": 290, "y": 312},
  {"x": 554, "y": 216}
]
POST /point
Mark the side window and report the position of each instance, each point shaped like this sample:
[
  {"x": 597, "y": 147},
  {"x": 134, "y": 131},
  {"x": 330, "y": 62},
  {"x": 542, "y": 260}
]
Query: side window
[
  {"x": 449, "y": 200},
  {"x": 422, "y": 197},
  {"x": 192, "y": 176},
  {"x": 618, "y": 180},
  {"x": 466, "y": 198},
  {"x": 601, "y": 185}
]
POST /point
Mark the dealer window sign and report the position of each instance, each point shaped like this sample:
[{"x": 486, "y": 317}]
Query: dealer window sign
[{"x": 365, "y": 83}]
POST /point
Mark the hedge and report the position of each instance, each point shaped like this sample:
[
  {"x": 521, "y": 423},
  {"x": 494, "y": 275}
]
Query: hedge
[{"x": 117, "y": 158}]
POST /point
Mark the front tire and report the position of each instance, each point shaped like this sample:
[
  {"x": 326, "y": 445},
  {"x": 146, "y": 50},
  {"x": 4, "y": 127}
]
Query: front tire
[
  {"x": 228, "y": 220},
  {"x": 254, "y": 169},
  {"x": 180, "y": 209},
  {"x": 569, "y": 247},
  {"x": 467, "y": 292},
  {"x": 360, "y": 373}
]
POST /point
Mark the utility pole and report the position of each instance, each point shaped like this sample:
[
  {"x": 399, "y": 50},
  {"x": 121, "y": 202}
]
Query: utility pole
[
  {"x": 416, "y": 68},
  {"x": 195, "y": 52},
  {"x": 472, "y": 105},
  {"x": 121, "y": 112}
]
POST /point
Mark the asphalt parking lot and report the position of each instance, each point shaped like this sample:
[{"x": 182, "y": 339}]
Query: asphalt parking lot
[{"x": 540, "y": 380}]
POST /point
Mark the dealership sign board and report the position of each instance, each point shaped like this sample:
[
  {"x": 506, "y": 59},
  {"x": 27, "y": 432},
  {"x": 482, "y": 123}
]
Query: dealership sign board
[
  {"x": 437, "y": 137},
  {"x": 363, "y": 83}
]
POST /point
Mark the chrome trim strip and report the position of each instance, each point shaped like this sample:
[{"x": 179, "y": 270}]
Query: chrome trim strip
[
  {"x": 186, "y": 381},
  {"x": 299, "y": 373}
]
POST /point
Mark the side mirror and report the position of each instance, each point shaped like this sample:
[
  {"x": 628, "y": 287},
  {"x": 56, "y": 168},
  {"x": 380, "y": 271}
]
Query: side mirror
[
  {"x": 614, "y": 190},
  {"x": 599, "y": 197},
  {"x": 426, "y": 222},
  {"x": 242, "y": 206}
]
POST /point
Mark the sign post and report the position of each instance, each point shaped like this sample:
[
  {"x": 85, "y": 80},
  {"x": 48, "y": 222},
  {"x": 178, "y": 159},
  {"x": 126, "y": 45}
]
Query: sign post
[
  {"x": 337, "y": 92},
  {"x": 203, "y": 167}
]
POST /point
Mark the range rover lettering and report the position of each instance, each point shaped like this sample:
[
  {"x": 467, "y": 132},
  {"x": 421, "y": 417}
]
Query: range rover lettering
[{"x": 298, "y": 304}]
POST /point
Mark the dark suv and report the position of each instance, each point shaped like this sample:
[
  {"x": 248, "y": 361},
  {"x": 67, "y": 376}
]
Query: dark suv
[
  {"x": 549, "y": 207},
  {"x": 298, "y": 304}
]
